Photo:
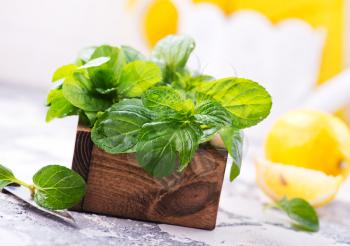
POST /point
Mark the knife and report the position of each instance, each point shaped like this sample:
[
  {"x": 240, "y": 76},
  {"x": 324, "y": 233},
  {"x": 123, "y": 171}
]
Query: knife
[{"x": 25, "y": 195}]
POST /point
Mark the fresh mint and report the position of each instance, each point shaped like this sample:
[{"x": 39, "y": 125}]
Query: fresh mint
[
  {"x": 81, "y": 96},
  {"x": 248, "y": 102},
  {"x": 233, "y": 141},
  {"x": 6, "y": 177},
  {"x": 172, "y": 54},
  {"x": 166, "y": 101},
  {"x": 54, "y": 187},
  {"x": 63, "y": 72},
  {"x": 163, "y": 146},
  {"x": 301, "y": 212},
  {"x": 174, "y": 51},
  {"x": 59, "y": 105},
  {"x": 117, "y": 129},
  {"x": 132, "y": 54},
  {"x": 165, "y": 128},
  {"x": 57, "y": 187},
  {"x": 156, "y": 106},
  {"x": 105, "y": 77},
  {"x": 101, "y": 76},
  {"x": 137, "y": 77}
]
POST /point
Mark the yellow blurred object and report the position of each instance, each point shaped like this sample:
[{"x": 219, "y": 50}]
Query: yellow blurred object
[
  {"x": 310, "y": 139},
  {"x": 161, "y": 19},
  {"x": 279, "y": 180},
  {"x": 342, "y": 113},
  {"x": 130, "y": 4}
]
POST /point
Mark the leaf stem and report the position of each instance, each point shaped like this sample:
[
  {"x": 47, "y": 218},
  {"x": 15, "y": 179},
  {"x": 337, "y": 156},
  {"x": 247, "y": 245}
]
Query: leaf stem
[{"x": 29, "y": 186}]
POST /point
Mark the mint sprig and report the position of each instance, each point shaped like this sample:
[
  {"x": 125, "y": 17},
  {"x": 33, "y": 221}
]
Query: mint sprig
[{"x": 54, "y": 187}]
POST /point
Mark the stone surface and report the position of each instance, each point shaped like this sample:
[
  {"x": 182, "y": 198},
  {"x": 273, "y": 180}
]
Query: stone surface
[{"x": 29, "y": 143}]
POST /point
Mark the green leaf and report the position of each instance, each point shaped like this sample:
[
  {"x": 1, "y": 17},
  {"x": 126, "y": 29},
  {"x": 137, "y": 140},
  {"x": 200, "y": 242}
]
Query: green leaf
[
  {"x": 64, "y": 72},
  {"x": 159, "y": 143},
  {"x": 77, "y": 93},
  {"x": 106, "y": 76},
  {"x": 132, "y": 54},
  {"x": 137, "y": 77},
  {"x": 248, "y": 102},
  {"x": 166, "y": 100},
  {"x": 59, "y": 106},
  {"x": 186, "y": 80},
  {"x": 187, "y": 141},
  {"x": 58, "y": 187},
  {"x": 117, "y": 129},
  {"x": 174, "y": 50},
  {"x": 233, "y": 141},
  {"x": 95, "y": 62},
  {"x": 301, "y": 212},
  {"x": 88, "y": 118},
  {"x": 210, "y": 113},
  {"x": 6, "y": 177}
]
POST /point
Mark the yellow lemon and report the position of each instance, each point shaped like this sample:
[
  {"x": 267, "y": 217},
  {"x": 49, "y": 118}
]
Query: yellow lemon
[
  {"x": 310, "y": 139},
  {"x": 307, "y": 156},
  {"x": 278, "y": 180}
]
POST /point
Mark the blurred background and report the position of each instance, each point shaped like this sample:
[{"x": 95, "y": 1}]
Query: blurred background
[
  {"x": 38, "y": 36},
  {"x": 299, "y": 50}
]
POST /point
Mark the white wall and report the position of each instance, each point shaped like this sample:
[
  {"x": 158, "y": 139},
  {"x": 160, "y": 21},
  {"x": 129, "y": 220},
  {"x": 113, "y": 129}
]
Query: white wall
[{"x": 37, "y": 36}]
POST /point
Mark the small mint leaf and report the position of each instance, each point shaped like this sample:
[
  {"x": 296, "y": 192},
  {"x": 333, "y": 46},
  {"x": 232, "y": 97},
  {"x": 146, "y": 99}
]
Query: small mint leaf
[
  {"x": 6, "y": 177},
  {"x": 58, "y": 187},
  {"x": 233, "y": 141},
  {"x": 301, "y": 212},
  {"x": 64, "y": 72}
]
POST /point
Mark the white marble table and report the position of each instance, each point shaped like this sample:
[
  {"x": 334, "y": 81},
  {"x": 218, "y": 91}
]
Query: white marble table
[{"x": 27, "y": 143}]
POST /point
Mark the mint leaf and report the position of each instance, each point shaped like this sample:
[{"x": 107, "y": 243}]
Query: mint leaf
[
  {"x": 64, "y": 72},
  {"x": 156, "y": 149},
  {"x": 116, "y": 130},
  {"x": 301, "y": 212},
  {"x": 106, "y": 76},
  {"x": 233, "y": 141},
  {"x": 88, "y": 118},
  {"x": 191, "y": 81},
  {"x": 68, "y": 70},
  {"x": 95, "y": 62},
  {"x": 159, "y": 143},
  {"x": 59, "y": 106},
  {"x": 210, "y": 113},
  {"x": 248, "y": 102},
  {"x": 77, "y": 93},
  {"x": 131, "y": 54},
  {"x": 211, "y": 116},
  {"x": 137, "y": 77},
  {"x": 57, "y": 187},
  {"x": 174, "y": 51},
  {"x": 6, "y": 177},
  {"x": 166, "y": 101},
  {"x": 187, "y": 141}
]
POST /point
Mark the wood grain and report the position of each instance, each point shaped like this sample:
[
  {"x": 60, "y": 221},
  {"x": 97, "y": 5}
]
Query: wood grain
[
  {"x": 118, "y": 186},
  {"x": 82, "y": 156}
]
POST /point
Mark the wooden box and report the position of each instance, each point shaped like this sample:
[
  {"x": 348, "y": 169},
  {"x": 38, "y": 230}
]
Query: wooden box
[{"x": 118, "y": 186}]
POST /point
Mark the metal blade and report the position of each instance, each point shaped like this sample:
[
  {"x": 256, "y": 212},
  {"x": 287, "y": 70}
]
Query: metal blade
[{"x": 25, "y": 195}]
